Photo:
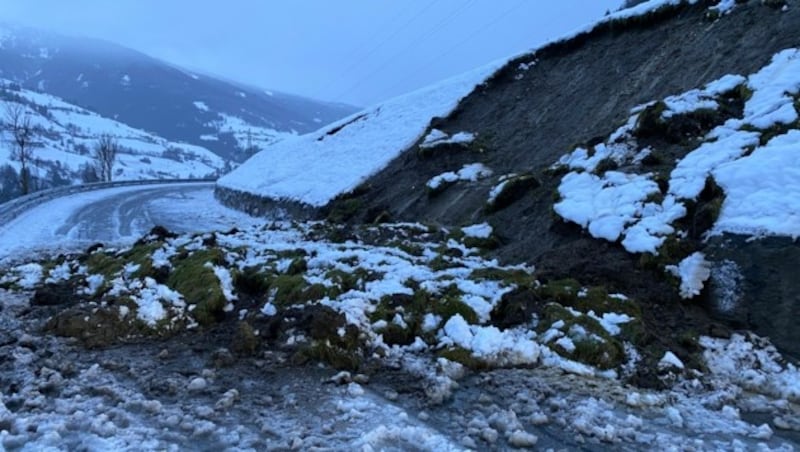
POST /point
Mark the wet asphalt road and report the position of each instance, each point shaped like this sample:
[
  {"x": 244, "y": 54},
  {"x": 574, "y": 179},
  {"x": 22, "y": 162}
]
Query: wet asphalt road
[{"x": 130, "y": 214}]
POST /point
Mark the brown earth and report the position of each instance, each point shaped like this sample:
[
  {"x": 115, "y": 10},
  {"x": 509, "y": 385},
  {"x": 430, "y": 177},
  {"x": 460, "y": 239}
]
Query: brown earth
[{"x": 578, "y": 92}]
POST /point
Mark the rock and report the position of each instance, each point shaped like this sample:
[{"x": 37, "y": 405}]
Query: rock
[
  {"x": 197, "y": 384},
  {"x": 222, "y": 357},
  {"x": 163, "y": 354},
  {"x": 754, "y": 286},
  {"x": 227, "y": 400},
  {"x": 152, "y": 406},
  {"x": 361, "y": 379},
  {"x": 489, "y": 435},
  {"x": 167, "y": 386},
  {"x": 520, "y": 438},
  {"x": 341, "y": 378},
  {"x": 785, "y": 423},
  {"x": 469, "y": 443}
]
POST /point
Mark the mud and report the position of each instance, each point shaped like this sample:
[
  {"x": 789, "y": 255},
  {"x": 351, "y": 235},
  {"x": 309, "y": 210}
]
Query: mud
[{"x": 578, "y": 92}]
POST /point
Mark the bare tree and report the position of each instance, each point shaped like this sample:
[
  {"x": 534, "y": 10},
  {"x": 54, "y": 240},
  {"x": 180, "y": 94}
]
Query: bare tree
[
  {"x": 105, "y": 154},
  {"x": 18, "y": 124}
]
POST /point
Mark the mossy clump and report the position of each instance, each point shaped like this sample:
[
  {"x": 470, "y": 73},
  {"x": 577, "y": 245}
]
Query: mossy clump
[
  {"x": 653, "y": 158},
  {"x": 110, "y": 264},
  {"x": 97, "y": 328},
  {"x": 596, "y": 298},
  {"x": 412, "y": 249},
  {"x": 605, "y": 165},
  {"x": 394, "y": 334},
  {"x": 333, "y": 341},
  {"x": 414, "y": 308},
  {"x": 650, "y": 122},
  {"x": 514, "y": 276},
  {"x": 673, "y": 250},
  {"x": 287, "y": 289},
  {"x": 251, "y": 281},
  {"x": 298, "y": 266},
  {"x": 593, "y": 346},
  {"x": 603, "y": 354},
  {"x": 200, "y": 287},
  {"x": 340, "y": 358},
  {"x": 439, "y": 188},
  {"x": 245, "y": 341},
  {"x": 450, "y": 305},
  {"x": 513, "y": 190},
  {"x": 102, "y": 263},
  {"x": 344, "y": 210},
  {"x": 463, "y": 357},
  {"x": 482, "y": 243},
  {"x": 344, "y": 282}
]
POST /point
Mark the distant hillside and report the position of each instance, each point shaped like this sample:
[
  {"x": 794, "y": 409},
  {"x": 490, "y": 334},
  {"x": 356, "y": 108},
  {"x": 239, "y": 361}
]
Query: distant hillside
[
  {"x": 153, "y": 95},
  {"x": 64, "y": 136}
]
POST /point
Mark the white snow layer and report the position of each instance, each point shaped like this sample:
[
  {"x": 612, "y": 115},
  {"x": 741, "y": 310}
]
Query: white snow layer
[
  {"x": 762, "y": 190},
  {"x": 314, "y": 168},
  {"x": 693, "y": 271},
  {"x": 471, "y": 172},
  {"x": 436, "y": 137}
]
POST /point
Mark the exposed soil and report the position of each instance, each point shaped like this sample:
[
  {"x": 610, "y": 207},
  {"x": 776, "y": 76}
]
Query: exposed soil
[{"x": 576, "y": 93}]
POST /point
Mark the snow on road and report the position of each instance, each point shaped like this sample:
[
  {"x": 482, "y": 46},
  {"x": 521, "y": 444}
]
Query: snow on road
[{"x": 56, "y": 225}]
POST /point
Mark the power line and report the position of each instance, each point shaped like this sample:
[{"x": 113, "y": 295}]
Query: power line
[
  {"x": 468, "y": 38},
  {"x": 357, "y": 52},
  {"x": 437, "y": 27},
  {"x": 387, "y": 39}
]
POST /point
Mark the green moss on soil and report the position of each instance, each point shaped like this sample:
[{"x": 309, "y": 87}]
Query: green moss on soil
[
  {"x": 297, "y": 266},
  {"x": 605, "y": 353},
  {"x": 344, "y": 210},
  {"x": 101, "y": 263},
  {"x": 288, "y": 289},
  {"x": 513, "y": 190},
  {"x": 245, "y": 341},
  {"x": 650, "y": 122},
  {"x": 251, "y": 281},
  {"x": 439, "y": 189},
  {"x": 338, "y": 357},
  {"x": 463, "y": 357},
  {"x": 516, "y": 277},
  {"x": 607, "y": 164},
  {"x": 199, "y": 285}
]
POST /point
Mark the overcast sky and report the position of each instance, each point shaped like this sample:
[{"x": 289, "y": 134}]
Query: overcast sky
[{"x": 354, "y": 51}]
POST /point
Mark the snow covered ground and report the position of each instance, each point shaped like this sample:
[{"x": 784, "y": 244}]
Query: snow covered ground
[
  {"x": 314, "y": 168},
  {"x": 172, "y": 393}
]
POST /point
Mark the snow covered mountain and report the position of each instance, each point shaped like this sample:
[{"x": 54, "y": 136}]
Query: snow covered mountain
[
  {"x": 64, "y": 136},
  {"x": 228, "y": 118}
]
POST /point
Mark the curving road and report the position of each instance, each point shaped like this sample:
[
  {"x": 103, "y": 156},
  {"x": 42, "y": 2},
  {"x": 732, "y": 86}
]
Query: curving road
[{"x": 117, "y": 215}]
